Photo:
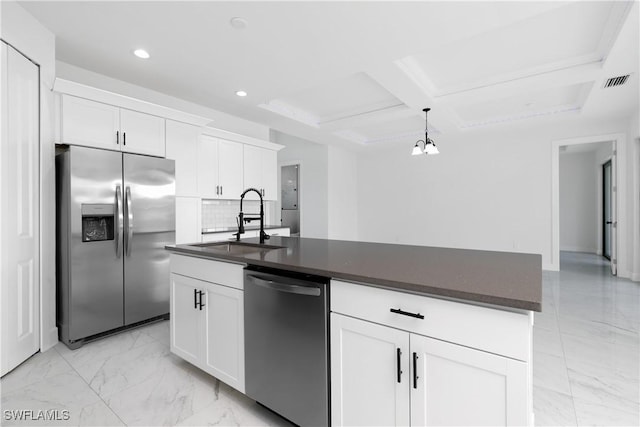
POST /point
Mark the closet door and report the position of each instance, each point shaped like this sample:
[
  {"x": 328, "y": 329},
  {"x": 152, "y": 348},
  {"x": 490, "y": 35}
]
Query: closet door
[{"x": 19, "y": 190}]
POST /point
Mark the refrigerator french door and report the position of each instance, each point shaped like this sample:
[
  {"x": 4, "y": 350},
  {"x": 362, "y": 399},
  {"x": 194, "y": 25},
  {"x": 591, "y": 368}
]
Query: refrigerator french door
[{"x": 116, "y": 212}]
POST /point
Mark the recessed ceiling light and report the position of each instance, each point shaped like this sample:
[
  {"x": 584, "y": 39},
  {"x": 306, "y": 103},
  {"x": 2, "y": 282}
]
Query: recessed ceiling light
[
  {"x": 238, "y": 23},
  {"x": 141, "y": 53},
  {"x": 241, "y": 93}
]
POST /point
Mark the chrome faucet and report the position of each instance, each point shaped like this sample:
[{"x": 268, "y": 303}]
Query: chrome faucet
[{"x": 242, "y": 218}]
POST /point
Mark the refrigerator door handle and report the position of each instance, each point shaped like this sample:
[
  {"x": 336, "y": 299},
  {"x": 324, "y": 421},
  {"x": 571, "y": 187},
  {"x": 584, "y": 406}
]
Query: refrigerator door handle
[
  {"x": 119, "y": 222},
  {"x": 129, "y": 221}
]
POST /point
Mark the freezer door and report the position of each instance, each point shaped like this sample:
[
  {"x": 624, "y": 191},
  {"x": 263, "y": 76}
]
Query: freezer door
[
  {"x": 94, "y": 282},
  {"x": 149, "y": 199}
]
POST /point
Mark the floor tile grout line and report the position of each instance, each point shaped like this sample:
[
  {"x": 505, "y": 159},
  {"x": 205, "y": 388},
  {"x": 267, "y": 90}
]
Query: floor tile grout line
[
  {"x": 91, "y": 388},
  {"x": 566, "y": 367}
]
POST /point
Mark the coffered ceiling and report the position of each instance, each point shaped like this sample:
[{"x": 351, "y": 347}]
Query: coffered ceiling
[{"x": 360, "y": 73}]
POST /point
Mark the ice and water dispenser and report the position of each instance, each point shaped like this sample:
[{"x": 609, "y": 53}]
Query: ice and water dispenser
[{"x": 97, "y": 222}]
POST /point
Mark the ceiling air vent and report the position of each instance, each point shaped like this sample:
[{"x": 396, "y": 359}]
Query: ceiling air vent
[{"x": 615, "y": 81}]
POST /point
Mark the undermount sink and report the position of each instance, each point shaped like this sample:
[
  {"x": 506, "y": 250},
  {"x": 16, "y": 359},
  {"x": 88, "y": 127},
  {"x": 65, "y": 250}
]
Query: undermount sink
[{"x": 238, "y": 248}]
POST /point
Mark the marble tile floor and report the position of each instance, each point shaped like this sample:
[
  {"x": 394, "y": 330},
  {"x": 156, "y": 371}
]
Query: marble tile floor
[
  {"x": 585, "y": 371},
  {"x": 126, "y": 379},
  {"x": 586, "y": 352}
]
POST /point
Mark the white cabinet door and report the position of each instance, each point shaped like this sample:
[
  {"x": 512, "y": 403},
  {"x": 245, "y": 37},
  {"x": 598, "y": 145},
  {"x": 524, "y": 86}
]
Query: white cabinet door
[
  {"x": 188, "y": 228},
  {"x": 261, "y": 172},
  {"x": 142, "y": 133},
  {"x": 230, "y": 170},
  {"x": 269, "y": 160},
  {"x": 224, "y": 351},
  {"x": 369, "y": 378},
  {"x": 186, "y": 318},
  {"x": 19, "y": 226},
  {"x": 208, "y": 184},
  {"x": 252, "y": 170},
  {"x": 90, "y": 123},
  {"x": 458, "y": 385},
  {"x": 182, "y": 146}
]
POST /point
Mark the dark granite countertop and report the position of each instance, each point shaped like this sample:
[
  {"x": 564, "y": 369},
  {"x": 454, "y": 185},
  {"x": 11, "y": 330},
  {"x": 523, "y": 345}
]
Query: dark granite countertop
[
  {"x": 505, "y": 279},
  {"x": 234, "y": 229}
]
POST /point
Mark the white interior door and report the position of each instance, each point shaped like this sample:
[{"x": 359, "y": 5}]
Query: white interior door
[{"x": 19, "y": 233}]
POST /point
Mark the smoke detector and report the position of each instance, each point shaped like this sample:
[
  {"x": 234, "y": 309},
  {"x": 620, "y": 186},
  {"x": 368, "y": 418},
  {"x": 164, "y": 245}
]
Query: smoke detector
[{"x": 615, "y": 81}]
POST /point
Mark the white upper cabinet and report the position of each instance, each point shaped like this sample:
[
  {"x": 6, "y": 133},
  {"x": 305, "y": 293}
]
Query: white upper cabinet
[
  {"x": 270, "y": 174},
  {"x": 230, "y": 169},
  {"x": 94, "y": 124},
  {"x": 182, "y": 146},
  {"x": 207, "y": 169},
  {"x": 261, "y": 172},
  {"x": 90, "y": 123},
  {"x": 142, "y": 133},
  {"x": 219, "y": 168},
  {"x": 252, "y": 170}
]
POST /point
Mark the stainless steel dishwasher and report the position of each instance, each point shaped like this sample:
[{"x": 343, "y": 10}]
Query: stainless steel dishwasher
[{"x": 286, "y": 351}]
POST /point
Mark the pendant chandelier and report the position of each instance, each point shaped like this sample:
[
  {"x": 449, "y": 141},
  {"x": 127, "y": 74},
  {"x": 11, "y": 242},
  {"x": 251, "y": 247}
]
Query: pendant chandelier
[{"x": 429, "y": 145}]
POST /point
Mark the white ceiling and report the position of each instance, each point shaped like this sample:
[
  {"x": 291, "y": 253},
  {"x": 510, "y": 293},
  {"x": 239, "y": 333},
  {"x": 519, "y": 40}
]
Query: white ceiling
[{"x": 360, "y": 72}]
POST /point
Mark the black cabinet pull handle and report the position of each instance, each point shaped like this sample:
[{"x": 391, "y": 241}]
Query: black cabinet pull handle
[
  {"x": 200, "y": 301},
  {"x": 406, "y": 313},
  {"x": 195, "y": 298},
  {"x": 398, "y": 354},
  {"x": 117, "y": 137},
  {"x": 415, "y": 370},
  {"x": 124, "y": 138}
]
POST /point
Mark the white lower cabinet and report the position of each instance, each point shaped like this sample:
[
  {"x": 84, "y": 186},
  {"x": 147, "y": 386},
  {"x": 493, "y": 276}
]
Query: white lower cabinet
[
  {"x": 365, "y": 390},
  {"x": 207, "y": 319},
  {"x": 456, "y": 385},
  {"x": 403, "y": 359},
  {"x": 186, "y": 319},
  {"x": 224, "y": 333},
  {"x": 385, "y": 376}
]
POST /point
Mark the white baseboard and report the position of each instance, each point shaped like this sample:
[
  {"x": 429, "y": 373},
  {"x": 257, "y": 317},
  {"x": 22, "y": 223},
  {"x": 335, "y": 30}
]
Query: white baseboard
[
  {"x": 578, "y": 249},
  {"x": 635, "y": 277},
  {"x": 550, "y": 267},
  {"x": 49, "y": 339}
]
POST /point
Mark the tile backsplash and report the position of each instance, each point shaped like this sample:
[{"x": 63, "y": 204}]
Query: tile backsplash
[{"x": 223, "y": 213}]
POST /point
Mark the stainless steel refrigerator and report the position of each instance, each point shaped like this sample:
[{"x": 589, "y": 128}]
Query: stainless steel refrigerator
[{"x": 115, "y": 214}]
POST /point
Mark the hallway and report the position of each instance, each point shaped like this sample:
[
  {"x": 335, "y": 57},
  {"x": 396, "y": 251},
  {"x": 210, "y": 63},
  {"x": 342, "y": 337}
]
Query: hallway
[{"x": 587, "y": 346}]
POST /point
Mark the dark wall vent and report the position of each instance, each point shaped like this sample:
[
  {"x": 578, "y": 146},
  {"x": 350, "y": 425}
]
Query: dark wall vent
[{"x": 615, "y": 81}]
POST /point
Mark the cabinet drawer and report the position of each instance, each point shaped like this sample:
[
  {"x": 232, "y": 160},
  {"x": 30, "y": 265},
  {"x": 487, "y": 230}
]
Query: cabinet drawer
[
  {"x": 222, "y": 273},
  {"x": 497, "y": 331}
]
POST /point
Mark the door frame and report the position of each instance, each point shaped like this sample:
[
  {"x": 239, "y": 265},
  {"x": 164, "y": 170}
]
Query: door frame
[
  {"x": 618, "y": 141},
  {"x": 603, "y": 222},
  {"x": 300, "y": 190}
]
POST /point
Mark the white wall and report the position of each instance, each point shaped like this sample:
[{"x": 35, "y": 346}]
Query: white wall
[
  {"x": 313, "y": 185},
  {"x": 28, "y": 36},
  {"x": 219, "y": 119},
  {"x": 578, "y": 202},
  {"x": 488, "y": 189},
  {"x": 342, "y": 194},
  {"x": 633, "y": 192}
]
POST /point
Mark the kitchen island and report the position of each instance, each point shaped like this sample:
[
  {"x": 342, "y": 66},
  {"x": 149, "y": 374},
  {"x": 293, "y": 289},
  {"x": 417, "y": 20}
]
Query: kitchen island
[{"x": 418, "y": 335}]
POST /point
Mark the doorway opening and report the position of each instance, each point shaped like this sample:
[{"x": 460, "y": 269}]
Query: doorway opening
[
  {"x": 586, "y": 200},
  {"x": 290, "y": 196}
]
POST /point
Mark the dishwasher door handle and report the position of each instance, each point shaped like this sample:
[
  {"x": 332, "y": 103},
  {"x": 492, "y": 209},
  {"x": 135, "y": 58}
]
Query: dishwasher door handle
[{"x": 285, "y": 287}]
